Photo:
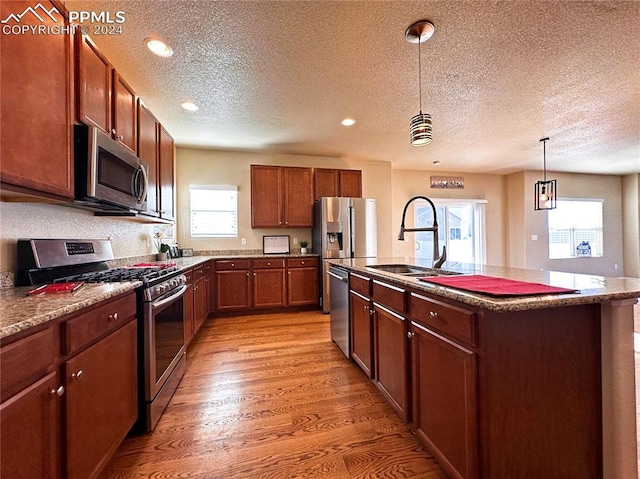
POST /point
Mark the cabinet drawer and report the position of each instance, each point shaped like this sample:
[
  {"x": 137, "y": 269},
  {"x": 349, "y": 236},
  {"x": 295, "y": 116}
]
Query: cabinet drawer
[
  {"x": 268, "y": 263},
  {"x": 198, "y": 272},
  {"x": 455, "y": 322},
  {"x": 233, "y": 264},
  {"x": 88, "y": 327},
  {"x": 389, "y": 296},
  {"x": 302, "y": 262},
  {"x": 189, "y": 276},
  {"x": 360, "y": 284},
  {"x": 27, "y": 360}
]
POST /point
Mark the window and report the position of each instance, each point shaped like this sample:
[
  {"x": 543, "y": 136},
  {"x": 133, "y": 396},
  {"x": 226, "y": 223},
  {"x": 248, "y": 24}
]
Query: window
[
  {"x": 575, "y": 229},
  {"x": 461, "y": 226},
  {"x": 214, "y": 211}
]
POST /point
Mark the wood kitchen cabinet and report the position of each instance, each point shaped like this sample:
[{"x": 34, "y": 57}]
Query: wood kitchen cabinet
[
  {"x": 210, "y": 278},
  {"x": 200, "y": 293},
  {"x": 268, "y": 283},
  {"x": 31, "y": 407},
  {"x": 302, "y": 282},
  {"x": 233, "y": 285},
  {"x": 101, "y": 401},
  {"x": 36, "y": 144},
  {"x": 281, "y": 197},
  {"x": 189, "y": 321},
  {"x": 69, "y": 392},
  {"x": 166, "y": 174},
  {"x": 445, "y": 400},
  {"x": 148, "y": 141},
  {"x": 104, "y": 98},
  {"x": 335, "y": 182},
  {"x": 361, "y": 318}
]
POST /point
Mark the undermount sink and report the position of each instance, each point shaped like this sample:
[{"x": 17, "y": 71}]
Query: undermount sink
[{"x": 410, "y": 270}]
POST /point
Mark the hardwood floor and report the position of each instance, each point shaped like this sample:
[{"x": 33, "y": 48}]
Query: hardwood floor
[{"x": 270, "y": 396}]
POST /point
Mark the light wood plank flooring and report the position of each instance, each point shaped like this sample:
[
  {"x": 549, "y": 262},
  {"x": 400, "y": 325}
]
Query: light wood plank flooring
[{"x": 270, "y": 396}]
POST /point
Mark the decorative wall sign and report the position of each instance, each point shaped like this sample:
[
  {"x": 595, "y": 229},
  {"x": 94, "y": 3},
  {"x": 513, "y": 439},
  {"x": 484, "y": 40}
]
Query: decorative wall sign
[{"x": 456, "y": 182}]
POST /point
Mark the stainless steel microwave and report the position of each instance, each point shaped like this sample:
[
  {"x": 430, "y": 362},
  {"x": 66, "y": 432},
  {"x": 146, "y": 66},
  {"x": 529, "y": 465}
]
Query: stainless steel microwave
[{"x": 107, "y": 175}]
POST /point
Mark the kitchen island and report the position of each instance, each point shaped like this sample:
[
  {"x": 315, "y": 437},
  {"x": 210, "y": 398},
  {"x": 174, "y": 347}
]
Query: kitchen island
[{"x": 505, "y": 387}]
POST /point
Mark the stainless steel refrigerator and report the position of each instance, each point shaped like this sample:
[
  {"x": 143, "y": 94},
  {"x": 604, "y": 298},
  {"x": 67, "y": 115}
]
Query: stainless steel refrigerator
[{"x": 343, "y": 228}]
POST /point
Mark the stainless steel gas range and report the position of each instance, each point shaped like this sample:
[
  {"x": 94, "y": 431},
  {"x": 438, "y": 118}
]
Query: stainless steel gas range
[{"x": 160, "y": 306}]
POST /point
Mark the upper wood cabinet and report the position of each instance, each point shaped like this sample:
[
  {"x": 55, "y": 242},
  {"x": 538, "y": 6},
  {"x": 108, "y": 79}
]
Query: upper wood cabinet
[
  {"x": 333, "y": 182},
  {"x": 281, "y": 197},
  {"x": 166, "y": 174},
  {"x": 104, "y": 98},
  {"x": 148, "y": 136},
  {"x": 36, "y": 110}
]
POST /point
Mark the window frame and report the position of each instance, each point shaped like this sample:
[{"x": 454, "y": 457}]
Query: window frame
[{"x": 229, "y": 233}]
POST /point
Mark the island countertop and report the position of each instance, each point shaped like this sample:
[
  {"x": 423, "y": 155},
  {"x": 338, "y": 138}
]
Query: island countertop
[{"x": 590, "y": 288}]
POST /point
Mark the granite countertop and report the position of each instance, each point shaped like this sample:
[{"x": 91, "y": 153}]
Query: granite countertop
[
  {"x": 591, "y": 288},
  {"x": 19, "y": 312},
  {"x": 191, "y": 261}
]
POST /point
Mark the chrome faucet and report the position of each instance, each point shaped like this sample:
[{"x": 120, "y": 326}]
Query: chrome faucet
[{"x": 437, "y": 260}]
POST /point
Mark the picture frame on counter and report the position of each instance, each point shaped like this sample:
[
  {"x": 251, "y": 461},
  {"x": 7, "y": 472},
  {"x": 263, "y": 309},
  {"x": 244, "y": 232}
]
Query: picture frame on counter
[{"x": 276, "y": 244}]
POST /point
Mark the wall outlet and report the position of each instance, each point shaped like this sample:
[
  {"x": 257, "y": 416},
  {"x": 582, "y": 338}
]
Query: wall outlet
[
  {"x": 243, "y": 241},
  {"x": 534, "y": 237},
  {"x": 295, "y": 240},
  {"x": 615, "y": 266}
]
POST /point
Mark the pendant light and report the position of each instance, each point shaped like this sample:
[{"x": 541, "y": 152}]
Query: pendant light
[
  {"x": 545, "y": 190},
  {"x": 420, "y": 125}
]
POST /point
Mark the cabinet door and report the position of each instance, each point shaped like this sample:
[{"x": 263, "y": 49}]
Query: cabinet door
[
  {"x": 199, "y": 303},
  {"x": 351, "y": 183},
  {"x": 361, "y": 332},
  {"x": 391, "y": 358},
  {"x": 445, "y": 399},
  {"x": 36, "y": 108},
  {"x": 266, "y": 196},
  {"x": 166, "y": 164},
  {"x": 30, "y": 431},
  {"x": 302, "y": 286},
  {"x": 148, "y": 152},
  {"x": 298, "y": 197},
  {"x": 210, "y": 284},
  {"x": 189, "y": 322},
  {"x": 124, "y": 113},
  {"x": 93, "y": 85},
  {"x": 268, "y": 288},
  {"x": 325, "y": 182},
  {"x": 233, "y": 290},
  {"x": 101, "y": 401}
]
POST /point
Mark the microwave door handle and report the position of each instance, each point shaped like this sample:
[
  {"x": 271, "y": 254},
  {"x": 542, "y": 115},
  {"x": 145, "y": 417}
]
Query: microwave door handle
[{"x": 141, "y": 195}]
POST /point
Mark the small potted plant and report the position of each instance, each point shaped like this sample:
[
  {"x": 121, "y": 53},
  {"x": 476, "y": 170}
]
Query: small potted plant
[{"x": 303, "y": 247}]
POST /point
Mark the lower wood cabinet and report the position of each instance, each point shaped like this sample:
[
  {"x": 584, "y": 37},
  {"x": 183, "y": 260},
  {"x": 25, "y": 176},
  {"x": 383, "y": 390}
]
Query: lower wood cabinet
[
  {"x": 189, "y": 318},
  {"x": 69, "y": 393},
  {"x": 391, "y": 358},
  {"x": 361, "y": 318},
  {"x": 445, "y": 400},
  {"x": 30, "y": 430},
  {"x": 265, "y": 283},
  {"x": 101, "y": 401},
  {"x": 302, "y": 282},
  {"x": 200, "y": 294}
]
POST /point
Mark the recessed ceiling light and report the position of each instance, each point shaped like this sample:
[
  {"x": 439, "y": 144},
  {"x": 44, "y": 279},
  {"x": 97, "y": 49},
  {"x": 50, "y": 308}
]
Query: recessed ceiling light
[
  {"x": 189, "y": 106},
  {"x": 348, "y": 122},
  {"x": 158, "y": 47},
  {"x": 437, "y": 162}
]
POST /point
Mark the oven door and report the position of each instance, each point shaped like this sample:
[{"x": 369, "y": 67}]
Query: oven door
[{"x": 163, "y": 339}]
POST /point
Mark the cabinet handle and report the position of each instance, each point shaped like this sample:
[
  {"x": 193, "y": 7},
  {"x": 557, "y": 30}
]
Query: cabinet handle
[
  {"x": 233, "y": 265},
  {"x": 254, "y": 274},
  {"x": 113, "y": 317},
  {"x": 113, "y": 131},
  {"x": 57, "y": 392},
  {"x": 268, "y": 264},
  {"x": 120, "y": 137},
  {"x": 77, "y": 375},
  {"x": 248, "y": 274},
  {"x": 433, "y": 314},
  {"x": 410, "y": 334}
]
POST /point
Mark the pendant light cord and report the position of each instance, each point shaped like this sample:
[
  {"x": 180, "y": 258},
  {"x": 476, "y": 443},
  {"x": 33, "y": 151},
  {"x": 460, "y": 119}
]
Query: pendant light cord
[{"x": 420, "y": 71}]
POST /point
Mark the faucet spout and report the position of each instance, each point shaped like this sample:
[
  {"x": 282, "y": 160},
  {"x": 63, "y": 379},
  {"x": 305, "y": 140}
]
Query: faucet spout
[{"x": 438, "y": 259}]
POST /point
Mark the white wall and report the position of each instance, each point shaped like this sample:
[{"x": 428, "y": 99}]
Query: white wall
[
  {"x": 534, "y": 223},
  {"x": 631, "y": 224},
  {"x": 216, "y": 167}
]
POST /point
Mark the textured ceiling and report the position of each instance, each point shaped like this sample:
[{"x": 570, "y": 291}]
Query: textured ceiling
[{"x": 497, "y": 76}]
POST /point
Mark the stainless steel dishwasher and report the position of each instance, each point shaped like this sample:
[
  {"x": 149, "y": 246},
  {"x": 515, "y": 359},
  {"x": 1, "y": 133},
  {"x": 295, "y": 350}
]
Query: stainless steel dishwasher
[{"x": 339, "y": 308}]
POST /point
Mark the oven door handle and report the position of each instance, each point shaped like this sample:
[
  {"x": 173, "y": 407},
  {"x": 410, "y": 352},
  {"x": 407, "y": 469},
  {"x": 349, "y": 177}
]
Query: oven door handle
[{"x": 173, "y": 297}]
